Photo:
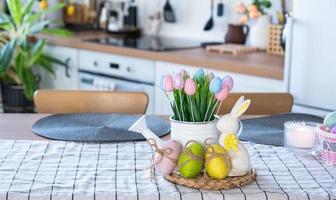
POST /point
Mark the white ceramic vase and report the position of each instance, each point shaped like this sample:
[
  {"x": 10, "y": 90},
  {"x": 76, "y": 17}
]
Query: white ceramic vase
[
  {"x": 183, "y": 132},
  {"x": 258, "y": 35}
]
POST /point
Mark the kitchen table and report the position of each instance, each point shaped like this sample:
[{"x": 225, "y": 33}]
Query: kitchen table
[{"x": 35, "y": 168}]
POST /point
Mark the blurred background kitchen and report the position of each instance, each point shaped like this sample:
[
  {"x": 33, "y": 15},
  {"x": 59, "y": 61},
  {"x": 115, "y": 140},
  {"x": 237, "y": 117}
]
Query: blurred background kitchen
[{"x": 267, "y": 46}]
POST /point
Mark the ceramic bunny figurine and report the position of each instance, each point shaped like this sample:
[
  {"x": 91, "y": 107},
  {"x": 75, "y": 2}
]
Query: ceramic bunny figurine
[{"x": 228, "y": 125}]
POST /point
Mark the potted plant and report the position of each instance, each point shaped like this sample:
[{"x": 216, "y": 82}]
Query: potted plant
[
  {"x": 21, "y": 52},
  {"x": 258, "y": 35},
  {"x": 195, "y": 102}
]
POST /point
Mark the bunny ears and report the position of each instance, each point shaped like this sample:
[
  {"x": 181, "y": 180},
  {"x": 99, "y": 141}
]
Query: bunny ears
[{"x": 240, "y": 107}]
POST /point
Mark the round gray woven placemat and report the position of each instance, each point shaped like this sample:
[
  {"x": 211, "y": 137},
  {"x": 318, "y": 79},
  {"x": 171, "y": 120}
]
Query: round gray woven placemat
[
  {"x": 270, "y": 130},
  {"x": 92, "y": 127}
]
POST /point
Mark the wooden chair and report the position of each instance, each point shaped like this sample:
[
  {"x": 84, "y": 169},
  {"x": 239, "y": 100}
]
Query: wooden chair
[
  {"x": 261, "y": 103},
  {"x": 58, "y": 101}
]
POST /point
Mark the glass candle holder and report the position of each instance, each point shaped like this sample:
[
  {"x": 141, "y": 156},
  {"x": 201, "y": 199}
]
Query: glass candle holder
[{"x": 300, "y": 135}]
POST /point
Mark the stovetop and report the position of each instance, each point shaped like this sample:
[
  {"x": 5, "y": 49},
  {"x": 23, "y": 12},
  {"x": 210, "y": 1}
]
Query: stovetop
[{"x": 149, "y": 43}]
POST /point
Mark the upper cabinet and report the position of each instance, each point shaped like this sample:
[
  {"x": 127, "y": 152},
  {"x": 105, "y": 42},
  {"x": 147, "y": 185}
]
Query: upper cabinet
[{"x": 66, "y": 77}]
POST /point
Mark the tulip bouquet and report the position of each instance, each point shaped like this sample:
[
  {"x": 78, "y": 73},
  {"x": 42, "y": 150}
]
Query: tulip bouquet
[{"x": 195, "y": 98}]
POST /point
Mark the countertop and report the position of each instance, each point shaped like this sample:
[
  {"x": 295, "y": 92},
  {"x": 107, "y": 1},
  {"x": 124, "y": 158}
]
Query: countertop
[{"x": 256, "y": 64}]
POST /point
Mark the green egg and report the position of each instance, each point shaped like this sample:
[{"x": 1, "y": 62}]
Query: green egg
[
  {"x": 330, "y": 119},
  {"x": 189, "y": 167}
]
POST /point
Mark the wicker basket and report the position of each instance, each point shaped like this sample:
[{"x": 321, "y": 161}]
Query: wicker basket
[
  {"x": 201, "y": 182},
  {"x": 274, "y": 35},
  {"x": 327, "y": 145}
]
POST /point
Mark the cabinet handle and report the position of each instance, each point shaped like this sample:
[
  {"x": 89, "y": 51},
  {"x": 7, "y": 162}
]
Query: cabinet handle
[{"x": 67, "y": 68}]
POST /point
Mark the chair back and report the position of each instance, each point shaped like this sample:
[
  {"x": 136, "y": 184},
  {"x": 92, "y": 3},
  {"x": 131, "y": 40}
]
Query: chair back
[
  {"x": 261, "y": 103},
  {"x": 58, "y": 101}
]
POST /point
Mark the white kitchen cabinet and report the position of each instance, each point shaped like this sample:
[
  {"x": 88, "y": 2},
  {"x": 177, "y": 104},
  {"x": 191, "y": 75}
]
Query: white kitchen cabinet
[
  {"x": 66, "y": 78},
  {"x": 242, "y": 83},
  {"x": 247, "y": 83}
]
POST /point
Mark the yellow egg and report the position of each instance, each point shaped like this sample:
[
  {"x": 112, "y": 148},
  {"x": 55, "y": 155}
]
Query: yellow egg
[
  {"x": 70, "y": 10},
  {"x": 218, "y": 163}
]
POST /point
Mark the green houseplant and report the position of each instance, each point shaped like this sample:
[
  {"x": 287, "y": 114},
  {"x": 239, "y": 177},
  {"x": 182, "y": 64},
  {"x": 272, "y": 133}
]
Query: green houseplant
[{"x": 21, "y": 52}]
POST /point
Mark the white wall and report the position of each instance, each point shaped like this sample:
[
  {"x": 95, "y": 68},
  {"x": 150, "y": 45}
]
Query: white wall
[{"x": 192, "y": 15}]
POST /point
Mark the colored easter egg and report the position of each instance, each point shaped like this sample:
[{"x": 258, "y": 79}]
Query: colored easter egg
[
  {"x": 178, "y": 82},
  {"x": 188, "y": 166},
  {"x": 228, "y": 81},
  {"x": 190, "y": 87},
  {"x": 168, "y": 83},
  {"x": 199, "y": 74},
  {"x": 330, "y": 119},
  {"x": 215, "y": 85},
  {"x": 184, "y": 73},
  {"x": 333, "y": 130},
  {"x": 218, "y": 163},
  {"x": 222, "y": 94},
  {"x": 210, "y": 76},
  {"x": 166, "y": 162},
  {"x": 325, "y": 128}
]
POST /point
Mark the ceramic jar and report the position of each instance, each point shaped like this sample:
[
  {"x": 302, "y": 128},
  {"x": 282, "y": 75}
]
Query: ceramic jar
[
  {"x": 259, "y": 32},
  {"x": 183, "y": 132}
]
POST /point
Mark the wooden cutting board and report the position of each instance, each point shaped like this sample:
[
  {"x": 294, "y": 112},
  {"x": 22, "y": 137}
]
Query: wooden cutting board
[{"x": 234, "y": 49}]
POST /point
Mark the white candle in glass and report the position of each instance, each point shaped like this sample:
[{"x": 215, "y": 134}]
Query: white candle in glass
[{"x": 300, "y": 134}]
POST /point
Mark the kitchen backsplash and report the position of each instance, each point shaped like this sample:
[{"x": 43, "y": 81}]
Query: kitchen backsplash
[{"x": 192, "y": 15}]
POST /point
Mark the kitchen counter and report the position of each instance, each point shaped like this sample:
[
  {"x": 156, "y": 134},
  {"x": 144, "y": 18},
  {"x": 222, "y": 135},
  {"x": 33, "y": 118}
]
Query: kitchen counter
[{"x": 256, "y": 64}]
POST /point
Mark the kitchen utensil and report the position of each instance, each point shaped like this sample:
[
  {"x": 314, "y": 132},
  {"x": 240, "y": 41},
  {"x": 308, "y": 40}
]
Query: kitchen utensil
[
  {"x": 208, "y": 26},
  {"x": 220, "y": 9},
  {"x": 153, "y": 24},
  {"x": 236, "y": 34},
  {"x": 284, "y": 25},
  {"x": 121, "y": 18},
  {"x": 168, "y": 13}
]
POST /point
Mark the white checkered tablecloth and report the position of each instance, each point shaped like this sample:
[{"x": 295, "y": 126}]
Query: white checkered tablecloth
[{"x": 45, "y": 170}]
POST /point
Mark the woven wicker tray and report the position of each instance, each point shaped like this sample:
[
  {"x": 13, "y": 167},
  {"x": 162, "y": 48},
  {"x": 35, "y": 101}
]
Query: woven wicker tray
[{"x": 210, "y": 184}]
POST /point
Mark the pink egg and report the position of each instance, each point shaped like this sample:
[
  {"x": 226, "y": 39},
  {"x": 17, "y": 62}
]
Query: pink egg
[
  {"x": 223, "y": 93},
  {"x": 228, "y": 81},
  {"x": 190, "y": 87},
  {"x": 169, "y": 83},
  {"x": 165, "y": 165},
  {"x": 325, "y": 128},
  {"x": 333, "y": 130},
  {"x": 178, "y": 82}
]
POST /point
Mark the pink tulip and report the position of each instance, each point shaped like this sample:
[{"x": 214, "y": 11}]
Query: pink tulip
[
  {"x": 228, "y": 81},
  {"x": 190, "y": 87},
  {"x": 168, "y": 83},
  {"x": 178, "y": 82},
  {"x": 223, "y": 93}
]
